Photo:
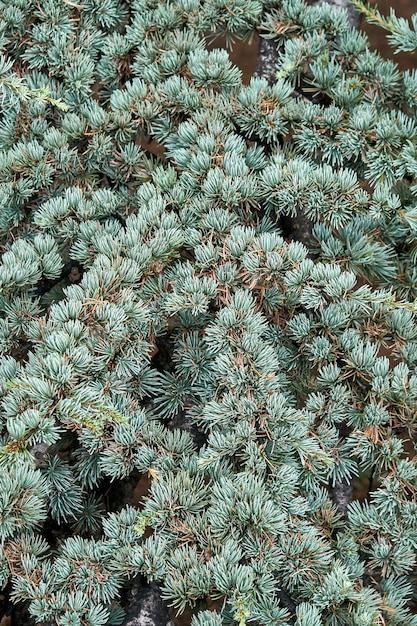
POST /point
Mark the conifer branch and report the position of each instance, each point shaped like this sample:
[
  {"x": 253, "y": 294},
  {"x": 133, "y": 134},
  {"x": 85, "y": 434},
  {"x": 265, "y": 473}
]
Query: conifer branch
[
  {"x": 351, "y": 6},
  {"x": 158, "y": 325}
]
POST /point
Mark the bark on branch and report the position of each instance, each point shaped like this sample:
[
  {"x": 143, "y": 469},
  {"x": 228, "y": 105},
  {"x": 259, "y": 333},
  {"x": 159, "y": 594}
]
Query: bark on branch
[{"x": 147, "y": 608}]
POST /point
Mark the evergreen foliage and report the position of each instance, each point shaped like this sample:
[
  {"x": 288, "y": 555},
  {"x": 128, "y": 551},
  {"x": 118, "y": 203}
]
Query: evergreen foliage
[{"x": 298, "y": 364}]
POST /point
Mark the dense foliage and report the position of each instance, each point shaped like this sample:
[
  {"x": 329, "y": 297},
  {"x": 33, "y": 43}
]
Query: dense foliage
[{"x": 193, "y": 300}]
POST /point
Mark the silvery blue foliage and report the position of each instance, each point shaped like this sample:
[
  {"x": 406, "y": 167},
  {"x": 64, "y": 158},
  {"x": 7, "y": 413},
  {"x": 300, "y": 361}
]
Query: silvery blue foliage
[{"x": 164, "y": 315}]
